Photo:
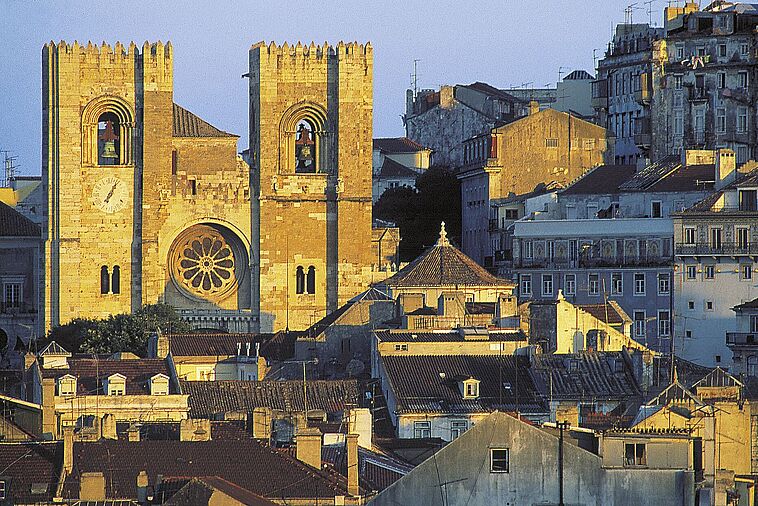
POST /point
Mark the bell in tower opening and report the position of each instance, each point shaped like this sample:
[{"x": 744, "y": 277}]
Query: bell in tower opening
[
  {"x": 305, "y": 148},
  {"x": 108, "y": 148}
]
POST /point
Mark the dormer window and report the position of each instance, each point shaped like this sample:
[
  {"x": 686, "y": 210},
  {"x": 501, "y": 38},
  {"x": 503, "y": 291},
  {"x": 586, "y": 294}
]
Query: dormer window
[
  {"x": 470, "y": 388},
  {"x": 67, "y": 385},
  {"x": 159, "y": 385},
  {"x": 115, "y": 384}
]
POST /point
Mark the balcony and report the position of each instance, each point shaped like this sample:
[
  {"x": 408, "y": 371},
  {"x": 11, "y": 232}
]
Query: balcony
[
  {"x": 587, "y": 228},
  {"x": 23, "y": 308},
  {"x": 742, "y": 339},
  {"x": 642, "y": 132},
  {"x": 600, "y": 94},
  {"x": 642, "y": 96},
  {"x": 726, "y": 249},
  {"x": 593, "y": 263},
  {"x": 698, "y": 94}
]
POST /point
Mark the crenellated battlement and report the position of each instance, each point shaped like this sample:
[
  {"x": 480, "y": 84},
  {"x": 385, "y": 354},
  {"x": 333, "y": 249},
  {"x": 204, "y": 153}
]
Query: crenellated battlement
[
  {"x": 152, "y": 53},
  {"x": 312, "y": 51}
]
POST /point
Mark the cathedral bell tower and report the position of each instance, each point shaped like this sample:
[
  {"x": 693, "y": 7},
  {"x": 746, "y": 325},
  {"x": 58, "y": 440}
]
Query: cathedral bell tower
[
  {"x": 310, "y": 144},
  {"x": 96, "y": 154}
]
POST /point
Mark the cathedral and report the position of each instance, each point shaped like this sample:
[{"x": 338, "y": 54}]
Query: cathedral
[{"x": 146, "y": 202}]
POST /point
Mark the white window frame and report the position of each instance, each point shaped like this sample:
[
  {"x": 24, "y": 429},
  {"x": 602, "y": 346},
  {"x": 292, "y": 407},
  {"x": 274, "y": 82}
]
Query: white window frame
[
  {"x": 547, "y": 281},
  {"x": 754, "y": 323},
  {"x": 709, "y": 271},
  {"x": 639, "y": 284},
  {"x": 593, "y": 286},
  {"x": 617, "y": 290},
  {"x": 742, "y": 120},
  {"x": 421, "y": 427},
  {"x": 690, "y": 271},
  {"x": 746, "y": 272},
  {"x": 457, "y": 428},
  {"x": 721, "y": 120},
  {"x": 506, "y": 459},
  {"x": 528, "y": 249},
  {"x": 664, "y": 280},
  {"x": 640, "y": 324},
  {"x": 569, "y": 284},
  {"x": 690, "y": 241},
  {"x": 526, "y": 284},
  {"x": 664, "y": 323}
]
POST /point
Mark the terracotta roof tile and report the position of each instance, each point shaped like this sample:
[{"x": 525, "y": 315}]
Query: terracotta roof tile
[
  {"x": 429, "y": 384},
  {"x": 246, "y": 463},
  {"x": 32, "y": 469},
  {"x": 91, "y": 372},
  {"x": 213, "y": 344},
  {"x": 605, "y": 179},
  {"x": 391, "y": 168},
  {"x": 187, "y": 124},
  {"x": 208, "y": 398},
  {"x": 397, "y": 145},
  {"x": 444, "y": 265},
  {"x": 15, "y": 224}
]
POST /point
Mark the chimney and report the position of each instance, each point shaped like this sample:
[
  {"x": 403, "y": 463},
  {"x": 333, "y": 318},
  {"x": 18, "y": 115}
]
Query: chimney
[
  {"x": 247, "y": 349},
  {"x": 505, "y": 310},
  {"x": 534, "y": 107},
  {"x": 158, "y": 347},
  {"x": 108, "y": 427},
  {"x": 262, "y": 364},
  {"x": 308, "y": 446},
  {"x": 709, "y": 450},
  {"x": 452, "y": 305},
  {"x": 447, "y": 96},
  {"x": 68, "y": 449},
  {"x": 92, "y": 487},
  {"x": 49, "y": 424},
  {"x": 195, "y": 429},
  {"x": 726, "y": 168},
  {"x": 360, "y": 422},
  {"x": 262, "y": 420},
  {"x": 408, "y": 302},
  {"x": 409, "y": 109},
  {"x": 352, "y": 465},
  {"x": 29, "y": 359},
  {"x": 132, "y": 434},
  {"x": 142, "y": 483}
]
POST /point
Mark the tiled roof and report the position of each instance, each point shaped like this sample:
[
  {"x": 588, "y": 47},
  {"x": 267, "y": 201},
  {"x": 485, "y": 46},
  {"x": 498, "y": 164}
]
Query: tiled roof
[
  {"x": 718, "y": 378},
  {"x": 15, "y": 224},
  {"x": 491, "y": 90},
  {"x": 397, "y": 145},
  {"x": 748, "y": 180},
  {"x": 480, "y": 307},
  {"x": 444, "y": 265},
  {"x": 751, "y": 304},
  {"x": 582, "y": 75},
  {"x": 213, "y": 344},
  {"x": 187, "y": 124},
  {"x": 429, "y": 384},
  {"x": 391, "y": 168},
  {"x": 90, "y": 374},
  {"x": 443, "y": 337},
  {"x": 33, "y": 469},
  {"x": 604, "y": 179},
  {"x": 670, "y": 175},
  {"x": 371, "y": 294},
  {"x": 201, "y": 489},
  {"x": 599, "y": 311},
  {"x": 376, "y": 471},
  {"x": 207, "y": 398},
  {"x": 247, "y": 463},
  {"x": 588, "y": 375}
]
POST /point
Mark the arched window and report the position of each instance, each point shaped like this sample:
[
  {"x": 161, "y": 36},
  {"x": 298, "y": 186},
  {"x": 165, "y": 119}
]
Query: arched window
[
  {"x": 105, "y": 280},
  {"x": 305, "y": 148},
  {"x": 300, "y": 280},
  {"x": 108, "y": 142},
  {"x": 116, "y": 279},
  {"x": 311, "y": 280}
]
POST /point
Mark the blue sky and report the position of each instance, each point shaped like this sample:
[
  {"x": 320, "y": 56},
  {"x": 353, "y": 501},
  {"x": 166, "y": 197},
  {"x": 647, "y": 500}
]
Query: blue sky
[{"x": 502, "y": 42}]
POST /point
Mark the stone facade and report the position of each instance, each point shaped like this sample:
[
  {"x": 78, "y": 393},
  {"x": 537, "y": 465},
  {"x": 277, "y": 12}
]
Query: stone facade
[
  {"x": 325, "y": 210},
  {"x": 148, "y": 203}
]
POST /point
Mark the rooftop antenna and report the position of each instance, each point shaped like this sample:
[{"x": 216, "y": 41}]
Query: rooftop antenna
[
  {"x": 10, "y": 169},
  {"x": 414, "y": 77},
  {"x": 649, "y": 4}
]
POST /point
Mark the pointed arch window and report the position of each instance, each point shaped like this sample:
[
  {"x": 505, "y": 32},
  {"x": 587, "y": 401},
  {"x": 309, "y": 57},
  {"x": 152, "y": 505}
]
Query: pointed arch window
[
  {"x": 300, "y": 280},
  {"x": 105, "y": 280},
  {"x": 304, "y": 146},
  {"x": 107, "y": 126},
  {"x": 311, "y": 281},
  {"x": 116, "y": 279}
]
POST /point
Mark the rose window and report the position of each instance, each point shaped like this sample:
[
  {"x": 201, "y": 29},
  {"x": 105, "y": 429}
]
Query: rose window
[{"x": 203, "y": 262}]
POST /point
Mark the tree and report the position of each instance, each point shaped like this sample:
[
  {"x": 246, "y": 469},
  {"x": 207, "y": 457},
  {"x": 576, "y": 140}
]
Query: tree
[
  {"x": 418, "y": 212},
  {"x": 122, "y": 332}
]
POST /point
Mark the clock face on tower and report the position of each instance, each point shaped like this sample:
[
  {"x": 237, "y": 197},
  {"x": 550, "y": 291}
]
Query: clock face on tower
[{"x": 110, "y": 194}]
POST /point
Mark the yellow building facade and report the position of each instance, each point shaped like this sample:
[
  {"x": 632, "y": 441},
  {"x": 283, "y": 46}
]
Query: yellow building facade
[{"x": 148, "y": 203}]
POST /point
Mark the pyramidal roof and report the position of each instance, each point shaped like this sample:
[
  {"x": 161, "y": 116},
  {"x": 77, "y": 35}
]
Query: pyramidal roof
[{"x": 444, "y": 265}]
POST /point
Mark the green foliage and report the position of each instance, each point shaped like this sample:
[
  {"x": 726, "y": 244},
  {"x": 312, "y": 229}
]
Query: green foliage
[
  {"x": 122, "y": 332},
  {"x": 418, "y": 212}
]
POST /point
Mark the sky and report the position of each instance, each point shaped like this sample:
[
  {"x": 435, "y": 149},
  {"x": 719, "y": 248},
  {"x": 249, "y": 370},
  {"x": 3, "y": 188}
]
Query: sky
[{"x": 504, "y": 43}]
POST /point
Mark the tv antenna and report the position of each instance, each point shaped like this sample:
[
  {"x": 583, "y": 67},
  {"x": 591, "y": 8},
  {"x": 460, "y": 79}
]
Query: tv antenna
[
  {"x": 414, "y": 77},
  {"x": 10, "y": 169}
]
